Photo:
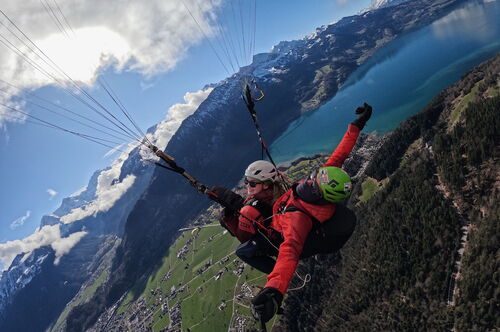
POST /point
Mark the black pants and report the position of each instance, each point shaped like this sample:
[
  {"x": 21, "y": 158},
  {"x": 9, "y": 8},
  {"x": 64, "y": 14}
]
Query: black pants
[
  {"x": 257, "y": 253},
  {"x": 328, "y": 238}
]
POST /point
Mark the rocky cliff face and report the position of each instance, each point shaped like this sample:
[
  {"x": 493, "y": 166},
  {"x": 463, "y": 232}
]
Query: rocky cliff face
[{"x": 78, "y": 199}]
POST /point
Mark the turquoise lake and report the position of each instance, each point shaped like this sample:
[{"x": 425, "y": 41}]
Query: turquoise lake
[{"x": 400, "y": 79}]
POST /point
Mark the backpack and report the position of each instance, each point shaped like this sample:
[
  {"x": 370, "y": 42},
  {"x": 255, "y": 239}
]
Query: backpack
[{"x": 328, "y": 236}]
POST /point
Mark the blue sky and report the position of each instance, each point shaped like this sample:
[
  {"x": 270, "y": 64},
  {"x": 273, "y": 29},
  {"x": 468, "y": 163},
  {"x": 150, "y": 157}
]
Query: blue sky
[{"x": 40, "y": 166}]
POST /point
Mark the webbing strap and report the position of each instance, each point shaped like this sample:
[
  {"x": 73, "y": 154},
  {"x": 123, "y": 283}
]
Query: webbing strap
[
  {"x": 172, "y": 166},
  {"x": 166, "y": 167}
]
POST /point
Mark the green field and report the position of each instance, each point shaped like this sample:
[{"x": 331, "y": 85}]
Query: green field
[{"x": 201, "y": 283}]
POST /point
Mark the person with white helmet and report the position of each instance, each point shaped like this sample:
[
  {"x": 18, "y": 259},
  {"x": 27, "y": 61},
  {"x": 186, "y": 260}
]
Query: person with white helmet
[
  {"x": 249, "y": 219},
  {"x": 304, "y": 221}
]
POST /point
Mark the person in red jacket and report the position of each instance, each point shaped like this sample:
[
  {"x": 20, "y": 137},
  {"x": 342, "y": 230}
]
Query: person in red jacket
[
  {"x": 304, "y": 221},
  {"x": 249, "y": 219}
]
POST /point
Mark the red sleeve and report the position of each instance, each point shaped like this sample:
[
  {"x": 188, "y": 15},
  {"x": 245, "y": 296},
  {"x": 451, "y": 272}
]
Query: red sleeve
[
  {"x": 344, "y": 148},
  {"x": 295, "y": 231}
]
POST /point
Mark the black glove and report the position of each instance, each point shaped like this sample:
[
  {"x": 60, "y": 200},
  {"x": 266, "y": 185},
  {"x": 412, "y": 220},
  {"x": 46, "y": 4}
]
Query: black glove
[
  {"x": 230, "y": 200},
  {"x": 266, "y": 304},
  {"x": 227, "y": 213},
  {"x": 364, "y": 112}
]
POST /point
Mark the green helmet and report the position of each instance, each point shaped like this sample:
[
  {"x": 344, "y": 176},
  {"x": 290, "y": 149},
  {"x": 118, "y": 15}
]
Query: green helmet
[{"x": 335, "y": 183}]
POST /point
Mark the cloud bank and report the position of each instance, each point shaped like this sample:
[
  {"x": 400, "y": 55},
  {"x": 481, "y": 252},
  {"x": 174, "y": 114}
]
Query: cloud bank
[
  {"x": 108, "y": 192},
  {"x": 149, "y": 37},
  {"x": 175, "y": 115},
  {"x": 47, "y": 235}
]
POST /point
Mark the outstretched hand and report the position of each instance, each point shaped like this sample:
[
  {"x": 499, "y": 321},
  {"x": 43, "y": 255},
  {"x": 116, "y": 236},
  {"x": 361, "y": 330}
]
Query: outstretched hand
[
  {"x": 266, "y": 304},
  {"x": 364, "y": 112}
]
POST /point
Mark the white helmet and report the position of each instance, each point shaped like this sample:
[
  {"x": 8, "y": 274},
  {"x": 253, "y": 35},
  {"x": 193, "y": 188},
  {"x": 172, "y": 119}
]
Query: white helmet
[{"x": 262, "y": 170}]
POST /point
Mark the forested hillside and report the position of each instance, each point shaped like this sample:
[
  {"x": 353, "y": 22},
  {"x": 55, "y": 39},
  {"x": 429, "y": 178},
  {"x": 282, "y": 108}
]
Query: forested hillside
[{"x": 424, "y": 256}]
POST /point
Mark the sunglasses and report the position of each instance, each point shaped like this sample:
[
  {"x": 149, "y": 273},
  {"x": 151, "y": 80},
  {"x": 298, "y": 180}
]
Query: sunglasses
[{"x": 252, "y": 184}]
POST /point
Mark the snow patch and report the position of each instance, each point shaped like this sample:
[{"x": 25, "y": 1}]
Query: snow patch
[{"x": 78, "y": 192}]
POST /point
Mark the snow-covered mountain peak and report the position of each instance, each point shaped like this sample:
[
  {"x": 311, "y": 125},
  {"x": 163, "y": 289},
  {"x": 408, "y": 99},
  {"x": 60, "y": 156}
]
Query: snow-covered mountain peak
[
  {"x": 22, "y": 270},
  {"x": 384, "y": 3}
]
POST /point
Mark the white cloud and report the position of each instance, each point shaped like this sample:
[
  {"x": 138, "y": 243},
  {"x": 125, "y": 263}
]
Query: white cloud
[
  {"x": 9, "y": 110},
  {"x": 107, "y": 194},
  {"x": 108, "y": 190},
  {"x": 175, "y": 115},
  {"x": 468, "y": 22},
  {"x": 47, "y": 235},
  {"x": 20, "y": 221},
  {"x": 52, "y": 193},
  {"x": 63, "y": 245},
  {"x": 145, "y": 36}
]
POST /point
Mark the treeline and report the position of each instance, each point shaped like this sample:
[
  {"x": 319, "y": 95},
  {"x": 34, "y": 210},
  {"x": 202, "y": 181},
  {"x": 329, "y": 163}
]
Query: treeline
[
  {"x": 479, "y": 298},
  {"x": 395, "y": 269},
  {"x": 388, "y": 159},
  {"x": 397, "y": 272},
  {"x": 469, "y": 157},
  {"x": 468, "y": 145}
]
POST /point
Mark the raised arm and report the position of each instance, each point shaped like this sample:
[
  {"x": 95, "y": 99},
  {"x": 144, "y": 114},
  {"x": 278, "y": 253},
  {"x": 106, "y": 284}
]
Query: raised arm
[{"x": 347, "y": 143}]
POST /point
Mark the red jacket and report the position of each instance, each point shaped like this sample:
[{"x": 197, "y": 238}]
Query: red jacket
[
  {"x": 295, "y": 226},
  {"x": 242, "y": 228}
]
